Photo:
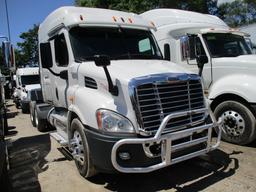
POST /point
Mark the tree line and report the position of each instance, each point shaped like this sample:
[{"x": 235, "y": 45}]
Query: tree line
[{"x": 235, "y": 13}]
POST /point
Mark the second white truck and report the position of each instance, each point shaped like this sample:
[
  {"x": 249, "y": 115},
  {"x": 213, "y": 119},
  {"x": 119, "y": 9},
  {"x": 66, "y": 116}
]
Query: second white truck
[
  {"x": 27, "y": 79},
  {"x": 229, "y": 73}
]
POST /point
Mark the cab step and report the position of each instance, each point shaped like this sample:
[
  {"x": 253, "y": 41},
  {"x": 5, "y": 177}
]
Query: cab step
[{"x": 63, "y": 142}]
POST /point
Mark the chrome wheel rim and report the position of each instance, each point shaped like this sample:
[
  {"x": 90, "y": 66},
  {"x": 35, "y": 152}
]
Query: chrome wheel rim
[
  {"x": 233, "y": 123},
  {"x": 31, "y": 115},
  {"x": 78, "y": 148},
  {"x": 36, "y": 119}
]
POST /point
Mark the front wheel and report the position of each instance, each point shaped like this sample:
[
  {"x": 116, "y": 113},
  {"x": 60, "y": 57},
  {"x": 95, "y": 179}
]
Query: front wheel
[
  {"x": 238, "y": 122},
  {"x": 41, "y": 124},
  {"x": 32, "y": 115},
  {"x": 81, "y": 152}
]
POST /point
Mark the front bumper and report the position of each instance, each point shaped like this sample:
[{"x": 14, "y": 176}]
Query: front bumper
[{"x": 167, "y": 148}]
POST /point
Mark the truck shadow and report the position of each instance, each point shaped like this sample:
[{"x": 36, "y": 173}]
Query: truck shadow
[
  {"x": 253, "y": 144},
  {"x": 193, "y": 175},
  {"x": 27, "y": 160}
]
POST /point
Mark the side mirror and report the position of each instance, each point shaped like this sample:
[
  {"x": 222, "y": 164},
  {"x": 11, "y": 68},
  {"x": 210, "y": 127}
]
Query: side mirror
[
  {"x": 8, "y": 55},
  {"x": 102, "y": 60},
  {"x": 64, "y": 74},
  {"x": 167, "y": 52},
  {"x": 201, "y": 61}
]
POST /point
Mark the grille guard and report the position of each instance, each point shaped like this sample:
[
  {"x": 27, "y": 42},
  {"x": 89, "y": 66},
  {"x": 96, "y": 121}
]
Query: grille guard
[{"x": 166, "y": 143}]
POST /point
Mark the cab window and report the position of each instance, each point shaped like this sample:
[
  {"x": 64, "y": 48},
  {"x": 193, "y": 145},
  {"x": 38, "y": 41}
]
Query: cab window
[
  {"x": 191, "y": 46},
  {"x": 61, "y": 51}
]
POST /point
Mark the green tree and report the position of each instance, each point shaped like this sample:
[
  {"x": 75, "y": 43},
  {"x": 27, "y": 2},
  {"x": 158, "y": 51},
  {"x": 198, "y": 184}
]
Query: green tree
[
  {"x": 27, "y": 52},
  {"x": 238, "y": 12},
  {"x": 139, "y": 6}
]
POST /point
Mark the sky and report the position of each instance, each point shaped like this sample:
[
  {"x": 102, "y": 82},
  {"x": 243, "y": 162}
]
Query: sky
[{"x": 23, "y": 14}]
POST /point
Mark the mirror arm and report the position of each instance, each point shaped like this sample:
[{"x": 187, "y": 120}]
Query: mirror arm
[
  {"x": 200, "y": 72},
  {"x": 111, "y": 87}
]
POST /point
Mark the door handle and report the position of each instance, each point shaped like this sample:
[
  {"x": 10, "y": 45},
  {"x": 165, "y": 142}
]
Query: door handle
[{"x": 46, "y": 77}]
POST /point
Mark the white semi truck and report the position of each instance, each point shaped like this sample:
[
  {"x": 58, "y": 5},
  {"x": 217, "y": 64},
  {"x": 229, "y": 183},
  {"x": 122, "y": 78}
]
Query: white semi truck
[
  {"x": 228, "y": 76},
  {"x": 27, "y": 79},
  {"x": 113, "y": 99}
]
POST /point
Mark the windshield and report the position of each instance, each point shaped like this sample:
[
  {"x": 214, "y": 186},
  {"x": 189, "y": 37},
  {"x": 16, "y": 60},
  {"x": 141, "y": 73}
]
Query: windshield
[
  {"x": 226, "y": 45},
  {"x": 30, "y": 79},
  {"x": 117, "y": 43}
]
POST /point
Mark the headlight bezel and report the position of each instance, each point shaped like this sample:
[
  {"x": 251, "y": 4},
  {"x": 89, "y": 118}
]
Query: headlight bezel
[{"x": 104, "y": 115}]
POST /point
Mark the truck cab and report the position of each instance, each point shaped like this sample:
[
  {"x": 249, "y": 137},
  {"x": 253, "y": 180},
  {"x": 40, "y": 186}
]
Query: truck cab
[
  {"x": 27, "y": 79},
  {"x": 228, "y": 75},
  {"x": 113, "y": 99}
]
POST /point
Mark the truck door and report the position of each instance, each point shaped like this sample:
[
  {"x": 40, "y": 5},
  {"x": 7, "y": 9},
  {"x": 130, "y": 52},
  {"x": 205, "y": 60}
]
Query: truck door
[
  {"x": 192, "y": 46},
  {"x": 46, "y": 64},
  {"x": 60, "y": 65}
]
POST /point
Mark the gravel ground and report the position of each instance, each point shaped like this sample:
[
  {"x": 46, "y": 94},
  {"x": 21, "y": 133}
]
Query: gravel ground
[{"x": 37, "y": 164}]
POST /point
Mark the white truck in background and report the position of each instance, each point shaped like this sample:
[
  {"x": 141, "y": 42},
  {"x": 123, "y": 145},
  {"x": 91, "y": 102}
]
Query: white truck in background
[
  {"x": 27, "y": 79},
  {"x": 114, "y": 101},
  {"x": 251, "y": 30},
  {"x": 230, "y": 73}
]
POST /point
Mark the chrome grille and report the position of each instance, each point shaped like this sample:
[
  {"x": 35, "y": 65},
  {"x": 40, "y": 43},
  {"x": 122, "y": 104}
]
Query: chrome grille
[{"x": 156, "y": 100}]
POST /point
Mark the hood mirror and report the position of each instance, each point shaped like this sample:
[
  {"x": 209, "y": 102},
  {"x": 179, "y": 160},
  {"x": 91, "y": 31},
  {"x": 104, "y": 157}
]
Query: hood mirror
[{"x": 104, "y": 61}]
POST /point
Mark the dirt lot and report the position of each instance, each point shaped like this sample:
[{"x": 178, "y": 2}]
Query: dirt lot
[{"x": 36, "y": 164}]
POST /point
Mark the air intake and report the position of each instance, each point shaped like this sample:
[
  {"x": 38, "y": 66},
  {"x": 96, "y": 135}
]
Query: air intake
[{"x": 90, "y": 83}]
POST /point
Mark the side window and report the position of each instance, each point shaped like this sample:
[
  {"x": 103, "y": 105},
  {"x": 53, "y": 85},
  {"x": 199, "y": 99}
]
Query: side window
[
  {"x": 145, "y": 46},
  {"x": 199, "y": 47},
  {"x": 61, "y": 51},
  {"x": 46, "y": 55},
  {"x": 191, "y": 46}
]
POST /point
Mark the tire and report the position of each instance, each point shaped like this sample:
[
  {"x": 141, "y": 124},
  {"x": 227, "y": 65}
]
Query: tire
[
  {"x": 23, "y": 109},
  {"x": 17, "y": 104},
  {"x": 41, "y": 124},
  {"x": 32, "y": 115},
  {"x": 82, "y": 157},
  {"x": 238, "y": 122}
]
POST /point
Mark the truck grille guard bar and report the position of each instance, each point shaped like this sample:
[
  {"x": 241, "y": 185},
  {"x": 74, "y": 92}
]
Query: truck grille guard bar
[{"x": 166, "y": 143}]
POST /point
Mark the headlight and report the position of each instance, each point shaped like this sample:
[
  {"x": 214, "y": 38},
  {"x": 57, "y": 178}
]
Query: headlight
[{"x": 113, "y": 122}]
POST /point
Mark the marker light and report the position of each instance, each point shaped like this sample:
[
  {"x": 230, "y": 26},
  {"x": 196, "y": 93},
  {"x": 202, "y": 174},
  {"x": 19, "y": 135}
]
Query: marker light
[
  {"x": 130, "y": 20},
  {"x": 114, "y": 18},
  {"x": 152, "y": 23},
  {"x": 81, "y": 17}
]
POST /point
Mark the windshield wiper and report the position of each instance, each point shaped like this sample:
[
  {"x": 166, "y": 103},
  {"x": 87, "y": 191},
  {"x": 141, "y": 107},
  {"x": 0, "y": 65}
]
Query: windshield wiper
[
  {"x": 135, "y": 56},
  {"x": 84, "y": 59}
]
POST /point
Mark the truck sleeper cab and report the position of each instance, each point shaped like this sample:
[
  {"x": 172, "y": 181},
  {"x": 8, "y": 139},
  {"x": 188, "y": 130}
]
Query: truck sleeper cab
[
  {"x": 112, "y": 98},
  {"x": 229, "y": 74},
  {"x": 27, "y": 79}
]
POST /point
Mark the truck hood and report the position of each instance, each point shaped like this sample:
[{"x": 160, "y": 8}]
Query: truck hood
[
  {"x": 241, "y": 62},
  {"x": 125, "y": 70},
  {"x": 33, "y": 86}
]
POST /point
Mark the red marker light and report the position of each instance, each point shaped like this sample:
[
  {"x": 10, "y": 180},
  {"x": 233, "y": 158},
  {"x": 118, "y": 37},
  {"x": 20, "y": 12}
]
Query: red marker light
[{"x": 130, "y": 20}]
